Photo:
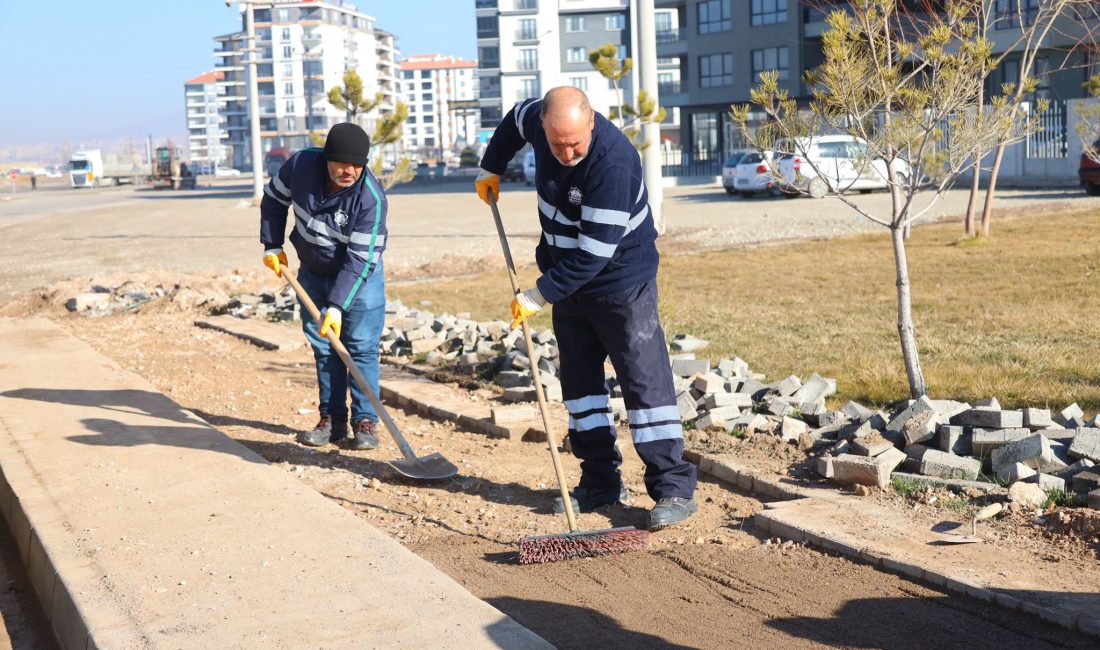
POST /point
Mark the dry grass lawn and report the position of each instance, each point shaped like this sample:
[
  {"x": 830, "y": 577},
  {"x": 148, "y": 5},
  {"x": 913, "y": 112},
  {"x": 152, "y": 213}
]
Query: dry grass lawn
[{"x": 1016, "y": 317}]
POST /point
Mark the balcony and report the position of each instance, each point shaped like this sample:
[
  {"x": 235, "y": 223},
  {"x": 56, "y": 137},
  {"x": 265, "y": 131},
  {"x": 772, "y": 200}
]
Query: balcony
[
  {"x": 527, "y": 5},
  {"x": 528, "y": 35},
  {"x": 671, "y": 42},
  {"x": 669, "y": 88},
  {"x": 527, "y": 65}
]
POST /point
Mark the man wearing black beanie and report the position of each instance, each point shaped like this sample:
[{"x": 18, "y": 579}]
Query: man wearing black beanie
[{"x": 339, "y": 234}]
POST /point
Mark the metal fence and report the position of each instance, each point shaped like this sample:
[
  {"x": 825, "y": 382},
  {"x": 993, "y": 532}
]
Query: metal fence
[
  {"x": 1049, "y": 141},
  {"x": 682, "y": 163}
]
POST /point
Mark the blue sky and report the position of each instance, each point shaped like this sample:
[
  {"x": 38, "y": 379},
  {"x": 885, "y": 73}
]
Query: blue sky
[{"x": 73, "y": 70}]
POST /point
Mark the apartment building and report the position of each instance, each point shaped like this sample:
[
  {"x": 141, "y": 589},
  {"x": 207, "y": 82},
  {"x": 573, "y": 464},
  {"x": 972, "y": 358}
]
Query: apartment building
[
  {"x": 441, "y": 93},
  {"x": 305, "y": 47},
  {"x": 204, "y": 134},
  {"x": 526, "y": 47}
]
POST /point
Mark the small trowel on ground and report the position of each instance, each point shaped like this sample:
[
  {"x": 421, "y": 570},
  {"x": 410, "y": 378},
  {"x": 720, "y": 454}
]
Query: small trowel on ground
[{"x": 987, "y": 512}]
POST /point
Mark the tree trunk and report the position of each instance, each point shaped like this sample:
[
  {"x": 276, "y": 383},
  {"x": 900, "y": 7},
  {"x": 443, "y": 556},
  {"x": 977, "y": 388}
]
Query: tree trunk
[
  {"x": 906, "y": 332},
  {"x": 987, "y": 210},
  {"x": 972, "y": 203}
]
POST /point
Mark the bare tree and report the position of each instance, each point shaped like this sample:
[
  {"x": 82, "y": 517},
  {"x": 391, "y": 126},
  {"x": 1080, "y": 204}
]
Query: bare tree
[{"x": 908, "y": 98}]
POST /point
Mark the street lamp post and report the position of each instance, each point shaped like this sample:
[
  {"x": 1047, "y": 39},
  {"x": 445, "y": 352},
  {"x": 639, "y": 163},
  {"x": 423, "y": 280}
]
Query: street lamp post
[
  {"x": 647, "y": 58},
  {"x": 253, "y": 98}
]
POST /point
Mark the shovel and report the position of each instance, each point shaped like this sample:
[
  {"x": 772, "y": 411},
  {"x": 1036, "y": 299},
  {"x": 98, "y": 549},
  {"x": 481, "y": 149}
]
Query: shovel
[{"x": 432, "y": 466}]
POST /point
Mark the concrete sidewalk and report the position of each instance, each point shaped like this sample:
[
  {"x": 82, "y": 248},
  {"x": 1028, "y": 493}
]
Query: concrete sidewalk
[{"x": 142, "y": 526}]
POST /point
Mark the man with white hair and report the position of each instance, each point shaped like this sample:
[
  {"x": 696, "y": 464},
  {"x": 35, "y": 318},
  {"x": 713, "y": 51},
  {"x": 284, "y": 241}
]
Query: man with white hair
[{"x": 599, "y": 270}]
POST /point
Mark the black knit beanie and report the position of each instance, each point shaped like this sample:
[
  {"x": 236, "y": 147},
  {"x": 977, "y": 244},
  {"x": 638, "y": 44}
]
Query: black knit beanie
[{"x": 347, "y": 143}]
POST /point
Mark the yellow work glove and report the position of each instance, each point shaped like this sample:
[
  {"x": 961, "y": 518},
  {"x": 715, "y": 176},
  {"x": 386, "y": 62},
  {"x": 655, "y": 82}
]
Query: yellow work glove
[
  {"x": 331, "y": 321},
  {"x": 487, "y": 182},
  {"x": 275, "y": 259},
  {"x": 526, "y": 303}
]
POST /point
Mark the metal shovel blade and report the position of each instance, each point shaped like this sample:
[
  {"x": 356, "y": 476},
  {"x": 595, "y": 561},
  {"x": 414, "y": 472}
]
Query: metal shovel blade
[{"x": 432, "y": 466}]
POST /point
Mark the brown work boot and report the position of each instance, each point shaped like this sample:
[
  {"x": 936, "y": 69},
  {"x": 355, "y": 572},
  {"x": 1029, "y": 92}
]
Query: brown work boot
[
  {"x": 365, "y": 436},
  {"x": 324, "y": 432}
]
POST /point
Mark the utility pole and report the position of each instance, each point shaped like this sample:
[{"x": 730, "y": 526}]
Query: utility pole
[
  {"x": 651, "y": 156},
  {"x": 253, "y": 103}
]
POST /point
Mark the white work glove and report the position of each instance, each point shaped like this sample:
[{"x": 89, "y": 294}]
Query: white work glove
[
  {"x": 526, "y": 303},
  {"x": 486, "y": 183}
]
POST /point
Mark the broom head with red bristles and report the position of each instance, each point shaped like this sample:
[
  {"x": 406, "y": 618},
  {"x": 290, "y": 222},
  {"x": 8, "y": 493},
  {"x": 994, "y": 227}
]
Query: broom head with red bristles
[{"x": 582, "y": 543}]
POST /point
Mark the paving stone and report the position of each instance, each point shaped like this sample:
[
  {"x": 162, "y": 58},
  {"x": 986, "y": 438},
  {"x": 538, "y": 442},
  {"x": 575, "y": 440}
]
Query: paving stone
[
  {"x": 1036, "y": 419},
  {"x": 870, "y": 446},
  {"x": 861, "y": 470},
  {"x": 831, "y": 418},
  {"x": 618, "y": 408},
  {"x": 516, "y": 413},
  {"x": 825, "y": 466},
  {"x": 920, "y": 427},
  {"x": 740, "y": 400},
  {"x": 526, "y": 394},
  {"x": 687, "y": 343},
  {"x": 815, "y": 388},
  {"x": 856, "y": 411},
  {"x": 897, "y": 424},
  {"x": 711, "y": 421},
  {"x": 1031, "y": 451},
  {"x": 512, "y": 379},
  {"x": 1027, "y": 494},
  {"x": 988, "y": 418},
  {"x": 1086, "y": 481},
  {"x": 1086, "y": 444},
  {"x": 709, "y": 383},
  {"x": 942, "y": 464},
  {"x": 1014, "y": 472},
  {"x": 686, "y": 405},
  {"x": 1048, "y": 483},
  {"x": 750, "y": 422},
  {"x": 1094, "y": 499},
  {"x": 984, "y": 441},
  {"x": 1069, "y": 416},
  {"x": 949, "y": 408},
  {"x": 989, "y": 402},
  {"x": 425, "y": 345},
  {"x": 753, "y": 387},
  {"x": 777, "y": 406},
  {"x": 689, "y": 367},
  {"x": 732, "y": 368},
  {"x": 954, "y": 439},
  {"x": 725, "y": 412},
  {"x": 791, "y": 430},
  {"x": 1064, "y": 436},
  {"x": 1075, "y": 469},
  {"x": 788, "y": 386}
]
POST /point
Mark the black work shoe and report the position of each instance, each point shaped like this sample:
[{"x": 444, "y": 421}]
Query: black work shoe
[
  {"x": 326, "y": 431},
  {"x": 589, "y": 499},
  {"x": 670, "y": 511},
  {"x": 365, "y": 436}
]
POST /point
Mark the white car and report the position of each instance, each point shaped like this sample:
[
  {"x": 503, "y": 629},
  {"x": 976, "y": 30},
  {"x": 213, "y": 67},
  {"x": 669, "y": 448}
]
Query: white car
[
  {"x": 529, "y": 167},
  {"x": 225, "y": 172},
  {"x": 729, "y": 170},
  {"x": 842, "y": 164},
  {"x": 754, "y": 174}
]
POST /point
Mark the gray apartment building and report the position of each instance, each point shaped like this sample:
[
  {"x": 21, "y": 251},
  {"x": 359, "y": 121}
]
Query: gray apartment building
[{"x": 722, "y": 46}]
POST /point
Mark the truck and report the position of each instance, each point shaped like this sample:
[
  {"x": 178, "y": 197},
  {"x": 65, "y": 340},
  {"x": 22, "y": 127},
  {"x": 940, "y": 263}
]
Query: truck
[
  {"x": 92, "y": 168},
  {"x": 274, "y": 159},
  {"x": 170, "y": 170}
]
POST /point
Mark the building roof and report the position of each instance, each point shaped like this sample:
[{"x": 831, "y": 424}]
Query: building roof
[
  {"x": 434, "y": 62},
  {"x": 206, "y": 78}
]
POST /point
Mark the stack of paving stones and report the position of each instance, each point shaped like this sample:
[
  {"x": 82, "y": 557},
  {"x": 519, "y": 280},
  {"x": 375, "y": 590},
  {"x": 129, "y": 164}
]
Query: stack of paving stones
[
  {"x": 103, "y": 301},
  {"x": 1030, "y": 450}
]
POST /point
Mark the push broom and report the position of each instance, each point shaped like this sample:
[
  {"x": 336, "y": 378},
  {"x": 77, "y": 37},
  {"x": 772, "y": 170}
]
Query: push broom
[{"x": 575, "y": 543}]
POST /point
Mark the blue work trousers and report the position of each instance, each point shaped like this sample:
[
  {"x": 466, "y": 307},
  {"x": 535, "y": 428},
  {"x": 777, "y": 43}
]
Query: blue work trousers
[
  {"x": 360, "y": 331},
  {"x": 624, "y": 326}
]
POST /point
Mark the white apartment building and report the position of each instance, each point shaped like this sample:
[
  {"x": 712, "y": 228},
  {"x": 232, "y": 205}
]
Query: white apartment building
[
  {"x": 526, "y": 47},
  {"x": 204, "y": 133},
  {"x": 305, "y": 46},
  {"x": 441, "y": 92}
]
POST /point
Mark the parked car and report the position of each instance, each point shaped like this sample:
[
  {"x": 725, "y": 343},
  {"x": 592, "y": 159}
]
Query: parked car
[
  {"x": 729, "y": 170},
  {"x": 1089, "y": 171},
  {"x": 753, "y": 173},
  {"x": 843, "y": 163},
  {"x": 223, "y": 172},
  {"x": 529, "y": 167}
]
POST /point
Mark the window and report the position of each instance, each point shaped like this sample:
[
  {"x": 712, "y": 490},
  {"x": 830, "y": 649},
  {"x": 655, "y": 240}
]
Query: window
[
  {"x": 529, "y": 88},
  {"x": 288, "y": 51},
  {"x": 429, "y": 142},
  {"x": 290, "y": 106},
  {"x": 488, "y": 57},
  {"x": 769, "y": 12},
  {"x": 526, "y": 5},
  {"x": 288, "y": 70},
  {"x": 284, "y": 15},
  {"x": 528, "y": 29},
  {"x": 427, "y": 108},
  {"x": 621, "y": 52},
  {"x": 662, "y": 20},
  {"x": 291, "y": 124},
  {"x": 529, "y": 59},
  {"x": 488, "y": 27},
  {"x": 574, "y": 23},
  {"x": 286, "y": 33},
  {"x": 426, "y": 97},
  {"x": 576, "y": 55},
  {"x": 408, "y": 74},
  {"x": 770, "y": 58},
  {"x": 580, "y": 83},
  {"x": 714, "y": 16},
  {"x": 715, "y": 70},
  {"x": 288, "y": 88},
  {"x": 1010, "y": 14},
  {"x": 427, "y": 119},
  {"x": 614, "y": 23}
]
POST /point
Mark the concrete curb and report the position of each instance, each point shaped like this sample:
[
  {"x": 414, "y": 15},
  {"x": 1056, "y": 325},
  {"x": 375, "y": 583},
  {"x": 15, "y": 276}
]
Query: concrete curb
[{"x": 775, "y": 489}]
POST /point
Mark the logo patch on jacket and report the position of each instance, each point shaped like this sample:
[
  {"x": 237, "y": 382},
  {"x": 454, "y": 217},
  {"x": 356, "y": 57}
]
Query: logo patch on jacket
[
  {"x": 575, "y": 196},
  {"x": 341, "y": 218}
]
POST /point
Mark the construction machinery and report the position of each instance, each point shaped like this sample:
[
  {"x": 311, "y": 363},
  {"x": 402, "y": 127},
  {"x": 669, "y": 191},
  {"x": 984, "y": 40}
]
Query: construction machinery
[{"x": 170, "y": 170}]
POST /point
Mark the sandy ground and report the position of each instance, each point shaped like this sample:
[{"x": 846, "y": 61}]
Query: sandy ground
[{"x": 714, "y": 582}]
